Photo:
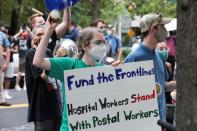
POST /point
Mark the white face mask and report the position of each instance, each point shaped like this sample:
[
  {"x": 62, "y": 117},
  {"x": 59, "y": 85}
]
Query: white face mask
[
  {"x": 98, "y": 52},
  {"x": 109, "y": 32}
]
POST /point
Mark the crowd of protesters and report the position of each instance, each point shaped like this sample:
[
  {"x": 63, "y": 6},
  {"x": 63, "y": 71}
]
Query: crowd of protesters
[{"x": 44, "y": 54}]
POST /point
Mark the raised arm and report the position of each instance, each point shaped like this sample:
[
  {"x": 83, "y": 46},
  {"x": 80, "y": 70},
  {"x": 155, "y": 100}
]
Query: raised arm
[
  {"x": 63, "y": 26},
  {"x": 18, "y": 34},
  {"x": 39, "y": 57}
]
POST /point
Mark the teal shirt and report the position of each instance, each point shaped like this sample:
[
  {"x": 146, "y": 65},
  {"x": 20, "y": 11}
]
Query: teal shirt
[{"x": 58, "y": 65}]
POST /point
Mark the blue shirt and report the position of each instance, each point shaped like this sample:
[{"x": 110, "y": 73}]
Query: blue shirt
[
  {"x": 114, "y": 44},
  {"x": 4, "y": 40},
  {"x": 143, "y": 53},
  {"x": 73, "y": 34}
]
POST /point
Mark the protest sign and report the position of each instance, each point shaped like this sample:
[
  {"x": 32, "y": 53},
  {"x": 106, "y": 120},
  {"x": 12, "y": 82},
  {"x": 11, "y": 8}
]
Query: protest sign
[{"x": 110, "y": 98}]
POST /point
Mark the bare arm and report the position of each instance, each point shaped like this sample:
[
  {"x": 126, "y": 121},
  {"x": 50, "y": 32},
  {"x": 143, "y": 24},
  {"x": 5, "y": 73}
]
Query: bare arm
[
  {"x": 170, "y": 86},
  {"x": 7, "y": 59},
  {"x": 62, "y": 27},
  {"x": 39, "y": 57},
  {"x": 4, "y": 66},
  {"x": 119, "y": 55},
  {"x": 18, "y": 34},
  {"x": 1, "y": 52}
]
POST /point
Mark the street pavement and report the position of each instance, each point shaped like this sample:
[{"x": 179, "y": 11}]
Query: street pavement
[{"x": 14, "y": 118}]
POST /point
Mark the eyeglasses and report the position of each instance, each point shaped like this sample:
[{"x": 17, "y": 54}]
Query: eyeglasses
[
  {"x": 160, "y": 26},
  {"x": 102, "y": 27},
  {"x": 99, "y": 42}
]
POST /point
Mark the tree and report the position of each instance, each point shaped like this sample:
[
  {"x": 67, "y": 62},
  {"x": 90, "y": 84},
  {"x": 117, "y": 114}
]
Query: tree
[
  {"x": 165, "y": 7},
  {"x": 86, "y": 11},
  {"x": 16, "y": 12},
  {"x": 186, "y": 111}
]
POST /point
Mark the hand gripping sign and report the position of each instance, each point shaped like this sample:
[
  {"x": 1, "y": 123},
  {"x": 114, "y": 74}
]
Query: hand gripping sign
[
  {"x": 112, "y": 99},
  {"x": 59, "y": 4}
]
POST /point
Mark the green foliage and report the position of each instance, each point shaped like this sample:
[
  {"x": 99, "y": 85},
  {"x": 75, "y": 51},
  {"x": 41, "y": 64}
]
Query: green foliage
[
  {"x": 21, "y": 7},
  {"x": 5, "y": 10},
  {"x": 83, "y": 12},
  {"x": 125, "y": 51},
  {"x": 165, "y": 7},
  {"x": 110, "y": 10}
]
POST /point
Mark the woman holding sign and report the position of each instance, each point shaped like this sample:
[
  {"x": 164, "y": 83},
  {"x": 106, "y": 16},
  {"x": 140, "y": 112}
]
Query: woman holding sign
[{"x": 92, "y": 49}]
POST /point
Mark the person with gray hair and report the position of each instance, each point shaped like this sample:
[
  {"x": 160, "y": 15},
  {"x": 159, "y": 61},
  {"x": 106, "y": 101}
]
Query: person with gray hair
[{"x": 41, "y": 89}]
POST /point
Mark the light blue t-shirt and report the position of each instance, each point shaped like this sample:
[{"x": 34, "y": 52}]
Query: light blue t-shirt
[
  {"x": 143, "y": 53},
  {"x": 4, "y": 40}
]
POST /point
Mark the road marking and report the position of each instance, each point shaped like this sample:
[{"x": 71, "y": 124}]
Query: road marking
[{"x": 14, "y": 106}]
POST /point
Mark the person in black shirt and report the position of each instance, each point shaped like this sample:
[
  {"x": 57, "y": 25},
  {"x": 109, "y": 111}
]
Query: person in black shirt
[{"x": 45, "y": 107}]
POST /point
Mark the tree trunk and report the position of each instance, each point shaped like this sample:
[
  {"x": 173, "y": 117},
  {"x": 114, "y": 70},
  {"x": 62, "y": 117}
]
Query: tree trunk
[
  {"x": 96, "y": 9},
  {"x": 15, "y": 17},
  {"x": 1, "y": 3},
  {"x": 14, "y": 21},
  {"x": 186, "y": 110}
]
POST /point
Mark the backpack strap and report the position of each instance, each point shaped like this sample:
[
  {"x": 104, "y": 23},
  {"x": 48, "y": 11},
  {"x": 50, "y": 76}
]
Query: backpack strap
[{"x": 117, "y": 41}]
